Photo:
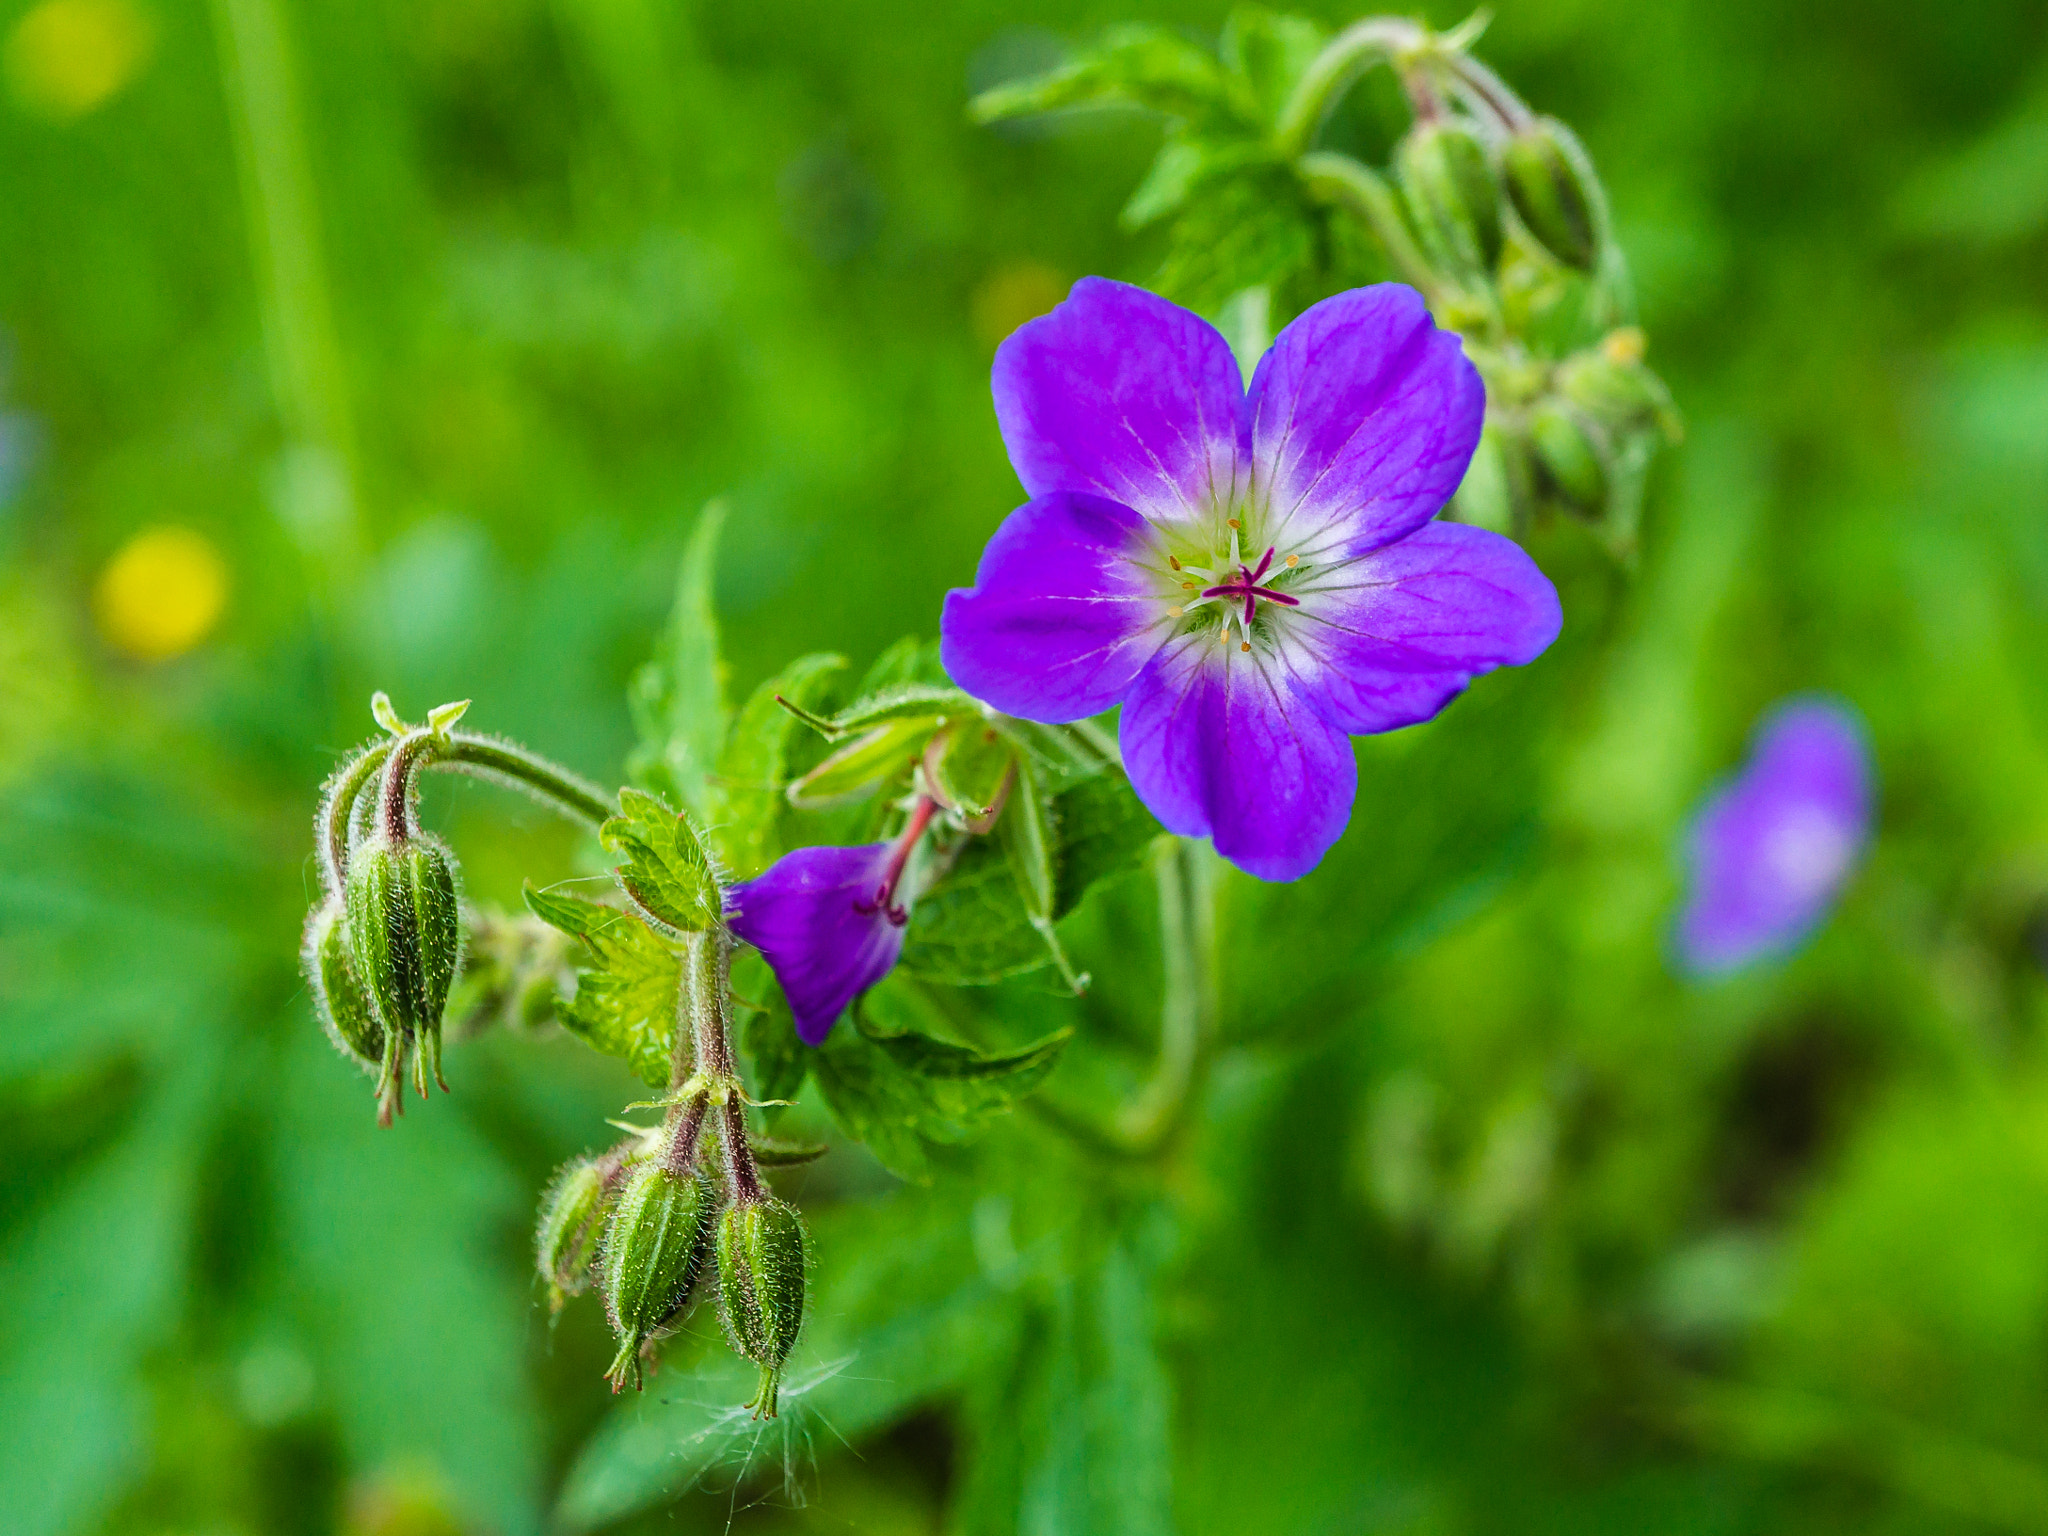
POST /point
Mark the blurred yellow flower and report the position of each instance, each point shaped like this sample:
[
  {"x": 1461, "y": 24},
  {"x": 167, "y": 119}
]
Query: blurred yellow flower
[
  {"x": 161, "y": 594},
  {"x": 1012, "y": 294},
  {"x": 66, "y": 57}
]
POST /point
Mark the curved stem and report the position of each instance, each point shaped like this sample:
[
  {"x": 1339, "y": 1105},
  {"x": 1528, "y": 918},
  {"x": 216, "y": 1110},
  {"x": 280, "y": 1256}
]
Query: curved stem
[
  {"x": 343, "y": 790},
  {"x": 394, "y": 810},
  {"x": 1349, "y": 54},
  {"x": 488, "y": 757},
  {"x": 1339, "y": 181}
]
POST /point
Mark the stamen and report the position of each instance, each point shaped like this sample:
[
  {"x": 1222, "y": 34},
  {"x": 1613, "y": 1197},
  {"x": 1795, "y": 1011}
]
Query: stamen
[
  {"x": 1233, "y": 523},
  {"x": 1245, "y": 646},
  {"x": 1174, "y": 613},
  {"x": 1293, "y": 561},
  {"x": 1174, "y": 561},
  {"x": 1190, "y": 586}
]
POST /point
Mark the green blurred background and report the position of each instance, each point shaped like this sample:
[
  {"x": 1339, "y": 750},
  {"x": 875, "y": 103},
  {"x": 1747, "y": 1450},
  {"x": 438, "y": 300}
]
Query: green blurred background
[{"x": 428, "y": 328}]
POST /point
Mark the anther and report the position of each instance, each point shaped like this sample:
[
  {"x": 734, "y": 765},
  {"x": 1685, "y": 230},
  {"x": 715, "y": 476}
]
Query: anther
[
  {"x": 1233, "y": 522},
  {"x": 1294, "y": 560},
  {"x": 1190, "y": 585},
  {"x": 1245, "y": 645},
  {"x": 1174, "y": 561}
]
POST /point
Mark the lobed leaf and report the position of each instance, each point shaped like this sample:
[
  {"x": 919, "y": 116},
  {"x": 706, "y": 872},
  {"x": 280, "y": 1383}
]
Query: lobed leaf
[
  {"x": 1148, "y": 67},
  {"x": 678, "y": 698},
  {"x": 666, "y": 871},
  {"x": 625, "y": 1002}
]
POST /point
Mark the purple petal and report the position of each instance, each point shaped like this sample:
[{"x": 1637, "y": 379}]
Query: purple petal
[
  {"x": 1119, "y": 393},
  {"x": 1222, "y": 743},
  {"x": 1060, "y": 617},
  {"x": 813, "y": 916},
  {"x": 1388, "y": 639},
  {"x": 1772, "y": 850},
  {"x": 1364, "y": 416}
]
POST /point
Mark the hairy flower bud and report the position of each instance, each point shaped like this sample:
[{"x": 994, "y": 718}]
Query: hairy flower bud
[
  {"x": 343, "y": 1007},
  {"x": 405, "y": 937},
  {"x": 762, "y": 1250},
  {"x": 1453, "y": 196},
  {"x": 1569, "y": 456},
  {"x": 1611, "y": 384},
  {"x": 571, "y": 1222},
  {"x": 1551, "y": 183},
  {"x": 653, "y": 1252}
]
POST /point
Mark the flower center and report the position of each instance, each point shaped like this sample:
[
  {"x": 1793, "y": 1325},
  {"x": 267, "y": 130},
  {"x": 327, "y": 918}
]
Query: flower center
[{"x": 1236, "y": 585}]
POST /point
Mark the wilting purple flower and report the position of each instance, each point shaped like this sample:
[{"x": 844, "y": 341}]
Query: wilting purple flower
[
  {"x": 829, "y": 921},
  {"x": 1771, "y": 850},
  {"x": 1253, "y": 576}
]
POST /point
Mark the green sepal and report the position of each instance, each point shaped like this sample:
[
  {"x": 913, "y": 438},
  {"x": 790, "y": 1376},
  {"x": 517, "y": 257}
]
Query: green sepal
[
  {"x": 405, "y": 930},
  {"x": 747, "y": 797},
  {"x": 1030, "y": 844},
  {"x": 625, "y": 1002},
  {"x": 870, "y": 762},
  {"x": 571, "y": 1224},
  {"x": 1571, "y": 460},
  {"x": 1454, "y": 198},
  {"x": 969, "y": 767},
  {"x": 342, "y": 1006},
  {"x": 1555, "y": 194},
  {"x": 667, "y": 873},
  {"x": 904, "y": 701},
  {"x": 763, "y": 1256},
  {"x": 655, "y": 1246}
]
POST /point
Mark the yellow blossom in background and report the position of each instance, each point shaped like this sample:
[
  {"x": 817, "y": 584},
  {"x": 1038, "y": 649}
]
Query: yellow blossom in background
[
  {"x": 161, "y": 594},
  {"x": 66, "y": 57},
  {"x": 1012, "y": 294}
]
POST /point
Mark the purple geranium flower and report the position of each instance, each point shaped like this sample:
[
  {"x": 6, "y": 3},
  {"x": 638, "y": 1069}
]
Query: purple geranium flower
[
  {"x": 829, "y": 921},
  {"x": 1771, "y": 850},
  {"x": 1254, "y": 576}
]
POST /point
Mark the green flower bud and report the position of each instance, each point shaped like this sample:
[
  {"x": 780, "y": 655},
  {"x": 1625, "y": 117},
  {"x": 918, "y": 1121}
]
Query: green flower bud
[
  {"x": 1570, "y": 458},
  {"x": 1556, "y": 195},
  {"x": 1453, "y": 196},
  {"x": 571, "y": 1222},
  {"x": 969, "y": 767},
  {"x": 405, "y": 937},
  {"x": 343, "y": 1007},
  {"x": 653, "y": 1252},
  {"x": 762, "y": 1249},
  {"x": 1610, "y": 384}
]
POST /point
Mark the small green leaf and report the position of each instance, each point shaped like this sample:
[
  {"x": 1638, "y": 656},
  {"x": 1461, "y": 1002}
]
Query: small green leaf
[
  {"x": 1138, "y": 66},
  {"x": 1249, "y": 230},
  {"x": 973, "y": 927},
  {"x": 442, "y": 718},
  {"x": 909, "y": 660},
  {"x": 625, "y": 1002},
  {"x": 1265, "y": 55},
  {"x": 678, "y": 698},
  {"x": 666, "y": 874},
  {"x": 385, "y": 714},
  {"x": 748, "y": 793}
]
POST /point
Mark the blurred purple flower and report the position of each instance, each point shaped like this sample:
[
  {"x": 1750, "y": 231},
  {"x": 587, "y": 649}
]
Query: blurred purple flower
[
  {"x": 829, "y": 921},
  {"x": 1771, "y": 850},
  {"x": 1169, "y": 505}
]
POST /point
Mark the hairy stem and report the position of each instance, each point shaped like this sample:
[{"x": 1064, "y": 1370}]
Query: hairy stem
[
  {"x": 408, "y": 755},
  {"x": 343, "y": 790},
  {"x": 1187, "y": 1015},
  {"x": 707, "y": 985},
  {"x": 1349, "y": 54},
  {"x": 489, "y": 758}
]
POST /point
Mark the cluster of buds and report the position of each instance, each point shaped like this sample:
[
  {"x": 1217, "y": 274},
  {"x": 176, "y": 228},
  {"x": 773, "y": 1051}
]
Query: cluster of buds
[
  {"x": 645, "y": 1221},
  {"x": 1497, "y": 214},
  {"x": 385, "y": 943},
  {"x": 383, "y": 947}
]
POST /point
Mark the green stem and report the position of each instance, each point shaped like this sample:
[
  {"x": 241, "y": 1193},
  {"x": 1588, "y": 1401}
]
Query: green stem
[
  {"x": 707, "y": 986},
  {"x": 487, "y": 757},
  {"x": 1339, "y": 181},
  {"x": 343, "y": 790},
  {"x": 1349, "y": 54}
]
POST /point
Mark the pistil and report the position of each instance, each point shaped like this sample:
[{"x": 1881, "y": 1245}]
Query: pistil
[{"x": 906, "y": 843}]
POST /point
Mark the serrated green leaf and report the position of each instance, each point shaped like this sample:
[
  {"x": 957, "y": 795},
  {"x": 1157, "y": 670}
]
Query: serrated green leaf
[
  {"x": 909, "y": 660},
  {"x": 1183, "y": 168},
  {"x": 1249, "y": 230},
  {"x": 1265, "y": 54},
  {"x": 1140, "y": 66},
  {"x": 678, "y": 698},
  {"x": 625, "y": 1002},
  {"x": 973, "y": 927},
  {"x": 894, "y": 1087},
  {"x": 1104, "y": 830},
  {"x": 747, "y": 795},
  {"x": 667, "y": 874}
]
